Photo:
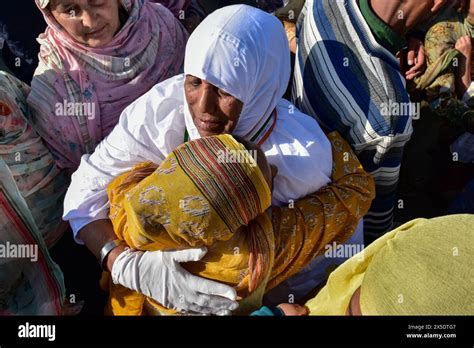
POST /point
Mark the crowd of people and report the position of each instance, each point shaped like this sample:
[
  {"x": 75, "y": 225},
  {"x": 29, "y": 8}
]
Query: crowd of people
[{"x": 237, "y": 158}]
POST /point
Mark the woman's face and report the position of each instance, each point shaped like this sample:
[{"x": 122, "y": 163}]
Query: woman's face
[
  {"x": 90, "y": 22},
  {"x": 213, "y": 110}
]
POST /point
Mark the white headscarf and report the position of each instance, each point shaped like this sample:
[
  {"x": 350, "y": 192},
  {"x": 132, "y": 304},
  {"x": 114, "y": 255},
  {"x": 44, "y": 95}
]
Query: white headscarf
[{"x": 243, "y": 51}]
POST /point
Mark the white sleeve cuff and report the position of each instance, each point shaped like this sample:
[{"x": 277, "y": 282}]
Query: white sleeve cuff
[{"x": 78, "y": 224}]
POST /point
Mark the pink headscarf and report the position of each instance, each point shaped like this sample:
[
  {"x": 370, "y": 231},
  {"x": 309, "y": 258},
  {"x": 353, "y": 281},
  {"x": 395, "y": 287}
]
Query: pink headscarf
[{"x": 148, "y": 49}]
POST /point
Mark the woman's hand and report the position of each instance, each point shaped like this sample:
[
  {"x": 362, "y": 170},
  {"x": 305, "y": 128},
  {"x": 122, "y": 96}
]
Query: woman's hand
[
  {"x": 415, "y": 58},
  {"x": 463, "y": 76},
  {"x": 159, "y": 275},
  {"x": 464, "y": 45}
]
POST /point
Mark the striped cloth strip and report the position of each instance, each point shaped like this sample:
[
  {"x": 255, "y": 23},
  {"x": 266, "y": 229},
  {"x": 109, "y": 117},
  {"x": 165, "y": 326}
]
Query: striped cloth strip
[{"x": 226, "y": 185}]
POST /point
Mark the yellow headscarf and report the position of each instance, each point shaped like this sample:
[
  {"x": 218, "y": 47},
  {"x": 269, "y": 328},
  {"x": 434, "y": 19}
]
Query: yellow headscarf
[
  {"x": 424, "y": 267},
  {"x": 204, "y": 193}
]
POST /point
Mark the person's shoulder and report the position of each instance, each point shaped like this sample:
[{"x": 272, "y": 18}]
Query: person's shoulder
[
  {"x": 171, "y": 88},
  {"x": 289, "y": 113},
  {"x": 294, "y": 126},
  {"x": 298, "y": 138},
  {"x": 166, "y": 96},
  {"x": 164, "y": 101}
]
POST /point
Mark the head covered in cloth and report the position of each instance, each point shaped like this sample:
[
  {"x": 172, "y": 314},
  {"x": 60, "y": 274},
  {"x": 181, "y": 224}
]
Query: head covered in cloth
[
  {"x": 238, "y": 49},
  {"x": 424, "y": 267},
  {"x": 147, "y": 48},
  {"x": 208, "y": 192}
]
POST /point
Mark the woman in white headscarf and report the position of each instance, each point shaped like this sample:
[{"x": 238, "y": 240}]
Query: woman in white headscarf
[{"x": 237, "y": 67}]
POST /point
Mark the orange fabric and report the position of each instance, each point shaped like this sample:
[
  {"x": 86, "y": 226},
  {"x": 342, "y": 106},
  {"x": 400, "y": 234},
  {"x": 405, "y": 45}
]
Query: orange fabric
[
  {"x": 301, "y": 232},
  {"x": 330, "y": 215}
]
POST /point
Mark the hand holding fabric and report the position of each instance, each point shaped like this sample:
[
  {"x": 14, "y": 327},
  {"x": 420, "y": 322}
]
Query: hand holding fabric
[
  {"x": 158, "y": 274},
  {"x": 416, "y": 58}
]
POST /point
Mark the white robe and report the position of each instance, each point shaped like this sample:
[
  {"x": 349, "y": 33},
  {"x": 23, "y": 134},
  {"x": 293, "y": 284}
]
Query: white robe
[{"x": 154, "y": 125}]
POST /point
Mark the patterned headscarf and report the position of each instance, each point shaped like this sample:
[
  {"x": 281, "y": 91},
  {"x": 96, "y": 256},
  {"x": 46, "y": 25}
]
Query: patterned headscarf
[
  {"x": 208, "y": 192},
  {"x": 30, "y": 163},
  {"x": 199, "y": 195},
  {"x": 148, "y": 49},
  {"x": 31, "y": 195}
]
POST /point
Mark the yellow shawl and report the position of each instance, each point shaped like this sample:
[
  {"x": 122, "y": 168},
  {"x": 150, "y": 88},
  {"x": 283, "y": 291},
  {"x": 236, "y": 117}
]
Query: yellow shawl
[
  {"x": 300, "y": 232},
  {"x": 424, "y": 267},
  {"x": 197, "y": 198}
]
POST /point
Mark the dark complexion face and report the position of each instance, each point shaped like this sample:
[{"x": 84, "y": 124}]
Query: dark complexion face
[{"x": 213, "y": 110}]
